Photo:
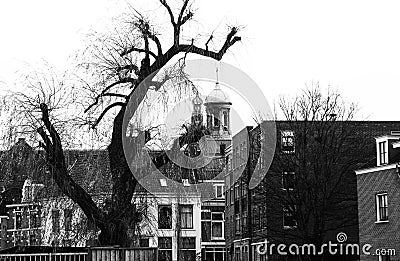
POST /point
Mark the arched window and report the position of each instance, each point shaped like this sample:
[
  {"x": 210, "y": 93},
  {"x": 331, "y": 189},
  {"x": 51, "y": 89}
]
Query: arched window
[
  {"x": 216, "y": 122},
  {"x": 225, "y": 119}
]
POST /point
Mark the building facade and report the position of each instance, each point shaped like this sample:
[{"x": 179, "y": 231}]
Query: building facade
[
  {"x": 274, "y": 211},
  {"x": 378, "y": 197}
]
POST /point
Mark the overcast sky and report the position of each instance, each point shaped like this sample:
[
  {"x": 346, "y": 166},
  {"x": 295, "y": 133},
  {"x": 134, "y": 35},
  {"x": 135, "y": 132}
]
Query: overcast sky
[{"x": 351, "y": 45}]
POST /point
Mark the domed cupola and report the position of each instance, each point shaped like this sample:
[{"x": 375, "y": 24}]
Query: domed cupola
[
  {"x": 218, "y": 96},
  {"x": 218, "y": 106}
]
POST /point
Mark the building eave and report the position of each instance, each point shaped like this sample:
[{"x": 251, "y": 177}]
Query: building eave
[{"x": 375, "y": 169}]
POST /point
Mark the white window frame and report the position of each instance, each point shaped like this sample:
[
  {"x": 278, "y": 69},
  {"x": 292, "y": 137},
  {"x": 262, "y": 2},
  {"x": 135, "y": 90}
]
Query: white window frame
[
  {"x": 383, "y": 152},
  {"x": 286, "y": 210},
  {"x": 222, "y": 221},
  {"x": 216, "y": 186},
  {"x": 17, "y": 211},
  {"x": 377, "y": 204},
  {"x": 188, "y": 215},
  {"x": 285, "y": 134}
]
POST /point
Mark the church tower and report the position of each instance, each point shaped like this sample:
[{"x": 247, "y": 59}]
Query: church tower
[
  {"x": 197, "y": 114},
  {"x": 218, "y": 105}
]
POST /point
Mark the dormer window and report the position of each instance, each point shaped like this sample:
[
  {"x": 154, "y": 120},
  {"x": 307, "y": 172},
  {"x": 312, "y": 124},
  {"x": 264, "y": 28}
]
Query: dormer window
[
  {"x": 219, "y": 191},
  {"x": 185, "y": 182},
  {"x": 383, "y": 154},
  {"x": 163, "y": 182}
]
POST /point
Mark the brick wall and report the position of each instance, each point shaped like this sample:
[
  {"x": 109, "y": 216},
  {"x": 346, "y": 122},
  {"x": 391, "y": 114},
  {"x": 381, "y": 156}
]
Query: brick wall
[{"x": 379, "y": 235}]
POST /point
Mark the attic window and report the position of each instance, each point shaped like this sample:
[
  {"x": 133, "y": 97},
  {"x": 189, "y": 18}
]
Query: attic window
[
  {"x": 185, "y": 182},
  {"x": 163, "y": 182}
]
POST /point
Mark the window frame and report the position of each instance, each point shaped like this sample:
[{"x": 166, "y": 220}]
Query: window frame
[
  {"x": 18, "y": 219},
  {"x": 220, "y": 196},
  {"x": 34, "y": 218},
  {"x": 385, "y": 208},
  {"x": 55, "y": 220},
  {"x": 382, "y": 153},
  {"x": 159, "y": 215},
  {"x": 284, "y": 183},
  {"x": 167, "y": 248},
  {"x": 187, "y": 215},
  {"x": 217, "y": 221},
  {"x": 187, "y": 248},
  {"x": 285, "y": 136},
  {"x": 286, "y": 213}
]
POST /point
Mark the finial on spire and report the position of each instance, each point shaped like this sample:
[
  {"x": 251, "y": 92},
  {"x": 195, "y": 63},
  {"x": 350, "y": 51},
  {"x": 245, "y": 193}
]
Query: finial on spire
[{"x": 217, "y": 71}]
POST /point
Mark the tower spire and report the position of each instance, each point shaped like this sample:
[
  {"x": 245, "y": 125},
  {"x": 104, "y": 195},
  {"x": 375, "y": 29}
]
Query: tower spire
[{"x": 197, "y": 117}]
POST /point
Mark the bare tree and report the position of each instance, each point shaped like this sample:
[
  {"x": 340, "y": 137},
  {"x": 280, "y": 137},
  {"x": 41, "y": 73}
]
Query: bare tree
[{"x": 120, "y": 63}]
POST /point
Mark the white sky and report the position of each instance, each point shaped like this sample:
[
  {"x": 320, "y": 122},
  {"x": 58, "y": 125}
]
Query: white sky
[{"x": 353, "y": 46}]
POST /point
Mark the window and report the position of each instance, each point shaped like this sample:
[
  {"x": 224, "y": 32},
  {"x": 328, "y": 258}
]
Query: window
[
  {"x": 222, "y": 149},
  {"x": 32, "y": 239},
  {"x": 232, "y": 196},
  {"x": 186, "y": 213},
  {"x": 187, "y": 250},
  {"x": 55, "y": 218},
  {"x": 68, "y": 219},
  {"x": 237, "y": 223},
  {"x": 164, "y": 217},
  {"x": 212, "y": 226},
  {"x": 384, "y": 258},
  {"x": 34, "y": 219},
  {"x": 219, "y": 191},
  {"x": 381, "y": 207},
  {"x": 382, "y": 153},
  {"x": 217, "y": 226},
  {"x": 287, "y": 141},
  {"x": 215, "y": 254},
  {"x": 165, "y": 248},
  {"x": 163, "y": 182},
  {"x": 18, "y": 219},
  {"x": 237, "y": 191},
  {"x": 288, "y": 180},
  {"x": 206, "y": 225},
  {"x": 216, "y": 122},
  {"x": 289, "y": 220},
  {"x": 143, "y": 242},
  {"x": 225, "y": 113}
]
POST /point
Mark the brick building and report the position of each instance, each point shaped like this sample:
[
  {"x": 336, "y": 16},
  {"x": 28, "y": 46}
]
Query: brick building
[
  {"x": 267, "y": 211},
  {"x": 378, "y": 197}
]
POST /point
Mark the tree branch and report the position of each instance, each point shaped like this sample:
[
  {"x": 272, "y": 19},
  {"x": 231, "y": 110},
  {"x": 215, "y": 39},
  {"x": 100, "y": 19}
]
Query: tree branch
[
  {"x": 231, "y": 39},
  {"x": 139, "y": 50},
  {"x": 183, "y": 19},
  {"x": 171, "y": 15},
  {"x": 155, "y": 39},
  {"x": 109, "y": 107},
  {"x": 122, "y": 81},
  {"x": 130, "y": 67}
]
